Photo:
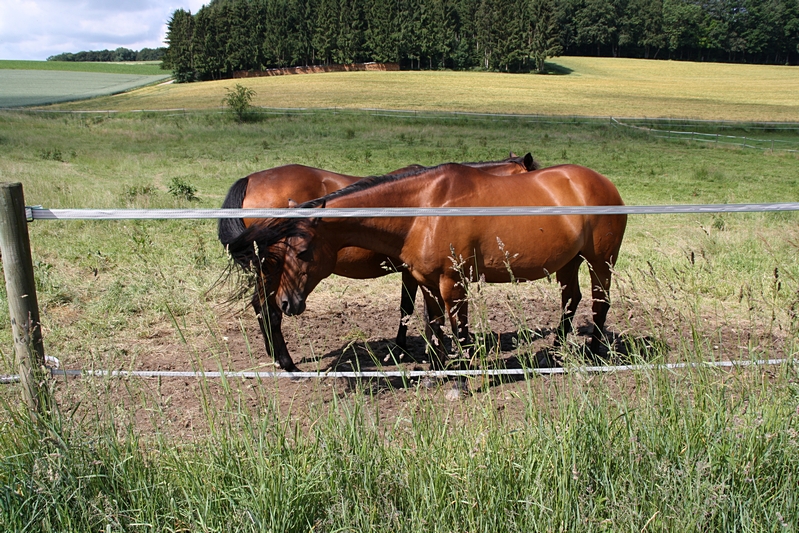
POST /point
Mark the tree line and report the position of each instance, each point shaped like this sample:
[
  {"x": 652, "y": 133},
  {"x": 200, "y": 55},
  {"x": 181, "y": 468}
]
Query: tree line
[
  {"x": 120, "y": 54},
  {"x": 225, "y": 36}
]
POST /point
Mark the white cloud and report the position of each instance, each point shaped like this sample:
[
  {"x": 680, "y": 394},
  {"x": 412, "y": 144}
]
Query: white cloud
[{"x": 37, "y": 29}]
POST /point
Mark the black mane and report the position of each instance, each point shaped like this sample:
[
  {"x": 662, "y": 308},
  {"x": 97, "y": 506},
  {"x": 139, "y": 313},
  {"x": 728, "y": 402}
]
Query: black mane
[
  {"x": 366, "y": 183},
  {"x": 527, "y": 161}
]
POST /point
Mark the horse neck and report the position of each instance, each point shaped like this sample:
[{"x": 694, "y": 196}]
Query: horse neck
[{"x": 379, "y": 234}]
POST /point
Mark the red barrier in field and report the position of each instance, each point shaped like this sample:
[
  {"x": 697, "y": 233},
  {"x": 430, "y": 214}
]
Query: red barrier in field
[{"x": 316, "y": 69}]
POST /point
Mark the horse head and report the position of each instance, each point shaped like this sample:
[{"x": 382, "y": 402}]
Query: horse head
[{"x": 307, "y": 260}]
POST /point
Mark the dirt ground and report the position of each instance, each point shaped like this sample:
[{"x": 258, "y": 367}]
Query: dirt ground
[{"x": 351, "y": 325}]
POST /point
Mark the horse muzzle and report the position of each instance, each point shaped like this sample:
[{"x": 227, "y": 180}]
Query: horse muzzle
[{"x": 292, "y": 306}]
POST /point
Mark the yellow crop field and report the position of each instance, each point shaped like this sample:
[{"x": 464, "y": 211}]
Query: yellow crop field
[{"x": 583, "y": 86}]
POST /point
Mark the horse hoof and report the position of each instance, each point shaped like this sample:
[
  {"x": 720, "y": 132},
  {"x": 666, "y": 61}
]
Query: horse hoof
[
  {"x": 598, "y": 352},
  {"x": 428, "y": 383},
  {"x": 458, "y": 391}
]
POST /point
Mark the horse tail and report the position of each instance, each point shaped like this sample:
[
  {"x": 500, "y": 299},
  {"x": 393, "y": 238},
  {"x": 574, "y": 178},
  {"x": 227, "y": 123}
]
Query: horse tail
[{"x": 230, "y": 228}]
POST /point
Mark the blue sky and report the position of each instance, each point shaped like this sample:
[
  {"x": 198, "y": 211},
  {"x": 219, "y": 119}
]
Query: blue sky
[{"x": 37, "y": 29}]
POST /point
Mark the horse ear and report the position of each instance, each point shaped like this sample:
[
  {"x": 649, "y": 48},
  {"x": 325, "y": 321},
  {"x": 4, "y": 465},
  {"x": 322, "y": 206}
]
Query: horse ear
[
  {"x": 513, "y": 156},
  {"x": 529, "y": 164},
  {"x": 315, "y": 221},
  {"x": 292, "y": 203}
]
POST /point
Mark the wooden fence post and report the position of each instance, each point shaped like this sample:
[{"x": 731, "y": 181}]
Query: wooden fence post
[{"x": 23, "y": 306}]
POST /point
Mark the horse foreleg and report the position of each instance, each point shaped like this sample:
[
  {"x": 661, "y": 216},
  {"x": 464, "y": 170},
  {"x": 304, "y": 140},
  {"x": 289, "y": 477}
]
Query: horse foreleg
[
  {"x": 409, "y": 288},
  {"x": 270, "y": 322},
  {"x": 569, "y": 280},
  {"x": 433, "y": 332},
  {"x": 453, "y": 292},
  {"x": 600, "y": 291}
]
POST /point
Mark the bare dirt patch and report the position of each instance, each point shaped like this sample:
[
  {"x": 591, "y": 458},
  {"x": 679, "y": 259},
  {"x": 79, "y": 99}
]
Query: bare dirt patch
[{"x": 350, "y": 325}]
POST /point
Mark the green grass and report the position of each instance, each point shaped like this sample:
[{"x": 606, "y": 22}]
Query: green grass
[
  {"x": 144, "y": 68},
  {"x": 661, "y": 451},
  {"x": 109, "y": 273},
  {"x": 698, "y": 450}
]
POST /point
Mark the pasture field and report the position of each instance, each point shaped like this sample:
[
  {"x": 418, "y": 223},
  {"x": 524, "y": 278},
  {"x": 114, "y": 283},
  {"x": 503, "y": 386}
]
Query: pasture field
[
  {"x": 583, "y": 86},
  {"x": 696, "y": 449}
]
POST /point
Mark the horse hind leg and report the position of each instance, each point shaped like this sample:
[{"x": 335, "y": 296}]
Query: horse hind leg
[
  {"x": 570, "y": 296},
  {"x": 600, "y": 292},
  {"x": 409, "y": 289}
]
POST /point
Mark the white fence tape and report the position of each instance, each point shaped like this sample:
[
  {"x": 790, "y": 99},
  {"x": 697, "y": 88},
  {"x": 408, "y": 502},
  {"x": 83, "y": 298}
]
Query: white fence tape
[
  {"x": 407, "y": 373},
  {"x": 36, "y": 213}
]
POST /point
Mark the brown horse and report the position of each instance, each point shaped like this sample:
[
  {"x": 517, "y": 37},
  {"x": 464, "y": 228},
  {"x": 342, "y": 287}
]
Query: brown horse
[
  {"x": 304, "y": 251},
  {"x": 281, "y": 187}
]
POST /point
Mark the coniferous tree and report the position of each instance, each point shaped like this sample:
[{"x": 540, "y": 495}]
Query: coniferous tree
[
  {"x": 545, "y": 38},
  {"x": 597, "y": 24},
  {"x": 325, "y": 30},
  {"x": 465, "y": 54},
  {"x": 511, "y": 38},
  {"x": 179, "y": 56},
  {"x": 410, "y": 22},
  {"x": 381, "y": 36},
  {"x": 350, "y": 33},
  {"x": 487, "y": 26}
]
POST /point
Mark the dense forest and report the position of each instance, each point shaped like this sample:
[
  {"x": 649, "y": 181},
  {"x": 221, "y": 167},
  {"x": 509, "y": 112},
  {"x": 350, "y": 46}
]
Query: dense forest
[
  {"x": 120, "y": 54},
  {"x": 225, "y": 36}
]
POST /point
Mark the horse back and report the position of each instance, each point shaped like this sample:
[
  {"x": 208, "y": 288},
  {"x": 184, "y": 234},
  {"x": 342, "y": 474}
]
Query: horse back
[
  {"x": 273, "y": 188},
  {"x": 535, "y": 244}
]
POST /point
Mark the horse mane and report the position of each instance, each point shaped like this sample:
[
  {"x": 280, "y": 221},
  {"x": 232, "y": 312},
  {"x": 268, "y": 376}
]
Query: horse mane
[
  {"x": 229, "y": 228},
  {"x": 367, "y": 183},
  {"x": 527, "y": 161}
]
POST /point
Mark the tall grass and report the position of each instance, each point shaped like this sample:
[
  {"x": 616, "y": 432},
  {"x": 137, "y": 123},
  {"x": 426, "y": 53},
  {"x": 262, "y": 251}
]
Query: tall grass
[{"x": 700, "y": 449}]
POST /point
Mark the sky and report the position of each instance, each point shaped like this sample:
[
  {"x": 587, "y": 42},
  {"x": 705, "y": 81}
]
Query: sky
[{"x": 37, "y": 29}]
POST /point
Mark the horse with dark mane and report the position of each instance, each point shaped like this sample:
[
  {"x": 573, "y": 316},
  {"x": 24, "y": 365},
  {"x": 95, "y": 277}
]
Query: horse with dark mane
[
  {"x": 282, "y": 187},
  {"x": 301, "y": 252}
]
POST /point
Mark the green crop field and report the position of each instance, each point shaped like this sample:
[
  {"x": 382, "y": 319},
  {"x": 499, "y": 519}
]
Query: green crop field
[
  {"x": 141, "y": 68},
  {"x": 28, "y": 83},
  {"x": 650, "y": 450}
]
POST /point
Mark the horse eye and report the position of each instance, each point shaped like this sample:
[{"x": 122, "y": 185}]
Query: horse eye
[{"x": 305, "y": 255}]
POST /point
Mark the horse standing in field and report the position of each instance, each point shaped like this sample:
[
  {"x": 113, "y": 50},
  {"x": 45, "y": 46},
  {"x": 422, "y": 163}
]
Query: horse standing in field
[
  {"x": 282, "y": 187},
  {"x": 304, "y": 251}
]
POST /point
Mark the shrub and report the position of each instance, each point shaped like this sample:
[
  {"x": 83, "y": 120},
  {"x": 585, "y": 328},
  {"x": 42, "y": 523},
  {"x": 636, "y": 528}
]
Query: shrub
[
  {"x": 53, "y": 154},
  {"x": 239, "y": 99},
  {"x": 182, "y": 189}
]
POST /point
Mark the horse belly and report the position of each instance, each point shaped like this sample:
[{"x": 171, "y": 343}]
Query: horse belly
[
  {"x": 359, "y": 263},
  {"x": 529, "y": 247}
]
